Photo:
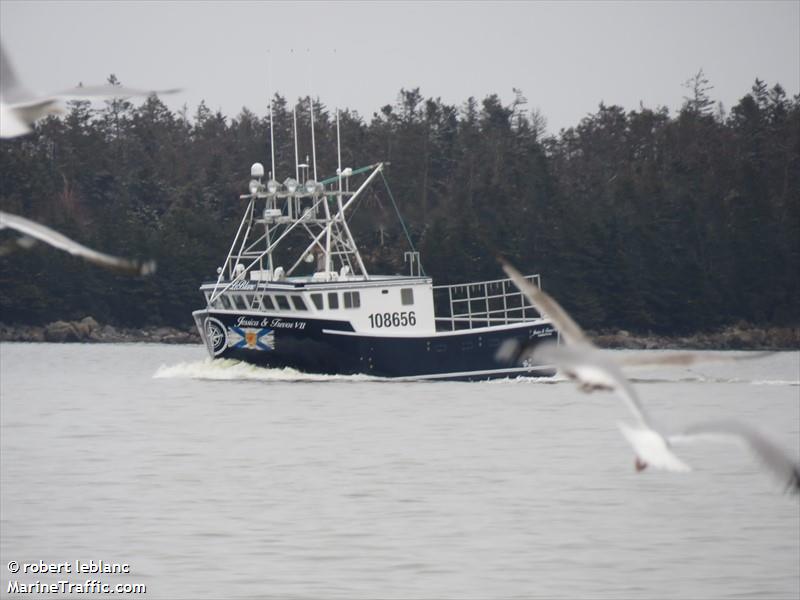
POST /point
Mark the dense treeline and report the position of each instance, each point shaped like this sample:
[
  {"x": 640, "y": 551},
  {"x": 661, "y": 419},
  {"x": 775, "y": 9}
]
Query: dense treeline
[{"x": 636, "y": 219}]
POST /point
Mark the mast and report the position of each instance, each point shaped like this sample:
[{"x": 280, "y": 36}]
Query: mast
[
  {"x": 313, "y": 141},
  {"x": 272, "y": 141},
  {"x": 339, "y": 152},
  {"x": 314, "y": 161},
  {"x": 296, "y": 159},
  {"x": 273, "y": 175}
]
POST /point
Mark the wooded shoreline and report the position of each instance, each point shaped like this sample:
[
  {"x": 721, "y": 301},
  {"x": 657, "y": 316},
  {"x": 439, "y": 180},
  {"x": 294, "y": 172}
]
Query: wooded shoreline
[
  {"x": 741, "y": 336},
  {"x": 641, "y": 220}
]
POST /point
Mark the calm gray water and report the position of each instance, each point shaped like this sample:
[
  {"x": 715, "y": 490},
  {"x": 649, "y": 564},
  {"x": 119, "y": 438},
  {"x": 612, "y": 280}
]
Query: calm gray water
[{"x": 222, "y": 480}]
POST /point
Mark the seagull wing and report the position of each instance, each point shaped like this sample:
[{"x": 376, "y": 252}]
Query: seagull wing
[
  {"x": 651, "y": 447},
  {"x": 590, "y": 367},
  {"x": 569, "y": 329},
  {"x": 20, "y": 108},
  {"x": 629, "y": 396},
  {"x": 18, "y": 116},
  {"x": 685, "y": 358},
  {"x": 775, "y": 458},
  {"x": 107, "y": 91},
  {"x": 62, "y": 242},
  {"x": 11, "y": 88}
]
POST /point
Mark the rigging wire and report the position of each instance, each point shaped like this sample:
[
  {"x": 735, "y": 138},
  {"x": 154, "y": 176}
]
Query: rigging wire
[{"x": 400, "y": 217}]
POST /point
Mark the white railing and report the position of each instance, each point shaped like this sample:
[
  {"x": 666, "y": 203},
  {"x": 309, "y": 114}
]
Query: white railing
[{"x": 483, "y": 303}]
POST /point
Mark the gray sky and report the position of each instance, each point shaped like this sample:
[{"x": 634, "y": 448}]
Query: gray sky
[{"x": 566, "y": 57}]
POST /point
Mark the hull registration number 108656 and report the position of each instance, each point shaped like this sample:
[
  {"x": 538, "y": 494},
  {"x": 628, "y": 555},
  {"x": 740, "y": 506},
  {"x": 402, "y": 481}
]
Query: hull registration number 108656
[{"x": 392, "y": 319}]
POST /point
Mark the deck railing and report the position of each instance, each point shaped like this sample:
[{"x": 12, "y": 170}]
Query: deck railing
[{"x": 483, "y": 303}]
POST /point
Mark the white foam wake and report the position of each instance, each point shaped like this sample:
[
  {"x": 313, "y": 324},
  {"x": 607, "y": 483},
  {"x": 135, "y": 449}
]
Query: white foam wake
[
  {"x": 776, "y": 382},
  {"x": 525, "y": 379},
  {"x": 222, "y": 369}
]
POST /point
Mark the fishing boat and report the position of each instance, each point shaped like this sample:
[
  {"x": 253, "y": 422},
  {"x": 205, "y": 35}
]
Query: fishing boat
[{"x": 325, "y": 313}]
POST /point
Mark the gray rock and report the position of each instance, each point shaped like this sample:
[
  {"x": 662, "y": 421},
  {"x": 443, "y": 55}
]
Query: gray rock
[{"x": 61, "y": 331}]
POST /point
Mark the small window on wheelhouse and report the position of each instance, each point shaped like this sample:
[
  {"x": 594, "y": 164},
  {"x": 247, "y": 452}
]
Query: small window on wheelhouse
[
  {"x": 266, "y": 303},
  {"x": 283, "y": 303},
  {"x": 352, "y": 299},
  {"x": 226, "y": 302},
  {"x": 317, "y": 300},
  {"x": 407, "y": 296},
  {"x": 298, "y": 302},
  {"x": 249, "y": 301},
  {"x": 333, "y": 300}
]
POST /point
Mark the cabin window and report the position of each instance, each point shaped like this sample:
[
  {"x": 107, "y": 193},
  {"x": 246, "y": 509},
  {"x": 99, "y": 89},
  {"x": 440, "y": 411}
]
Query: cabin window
[
  {"x": 226, "y": 302},
  {"x": 208, "y": 296},
  {"x": 298, "y": 303},
  {"x": 407, "y": 296},
  {"x": 249, "y": 301},
  {"x": 317, "y": 300},
  {"x": 352, "y": 299},
  {"x": 283, "y": 303},
  {"x": 333, "y": 300},
  {"x": 266, "y": 303}
]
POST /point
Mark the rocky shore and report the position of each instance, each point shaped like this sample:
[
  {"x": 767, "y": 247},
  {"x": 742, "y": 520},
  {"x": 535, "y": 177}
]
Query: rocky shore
[
  {"x": 736, "y": 337},
  {"x": 90, "y": 331},
  {"x": 741, "y": 336}
]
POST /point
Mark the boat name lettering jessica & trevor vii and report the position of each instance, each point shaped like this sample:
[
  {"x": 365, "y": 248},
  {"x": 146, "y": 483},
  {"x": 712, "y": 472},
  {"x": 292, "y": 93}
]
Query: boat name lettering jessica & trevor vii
[{"x": 275, "y": 323}]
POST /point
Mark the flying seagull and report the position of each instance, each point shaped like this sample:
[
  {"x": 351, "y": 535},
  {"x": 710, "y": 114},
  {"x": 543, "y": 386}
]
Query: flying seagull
[
  {"x": 580, "y": 360},
  {"x": 33, "y": 231},
  {"x": 571, "y": 356},
  {"x": 20, "y": 108}
]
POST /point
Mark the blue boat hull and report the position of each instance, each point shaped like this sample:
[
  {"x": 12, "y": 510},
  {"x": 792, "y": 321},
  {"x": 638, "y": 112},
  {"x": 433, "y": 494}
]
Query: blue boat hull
[{"x": 332, "y": 347}]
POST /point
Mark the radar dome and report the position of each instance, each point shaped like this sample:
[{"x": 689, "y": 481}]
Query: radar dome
[{"x": 257, "y": 170}]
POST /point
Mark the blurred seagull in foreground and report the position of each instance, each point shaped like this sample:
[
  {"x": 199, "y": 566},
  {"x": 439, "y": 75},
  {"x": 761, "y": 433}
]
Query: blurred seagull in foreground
[
  {"x": 20, "y": 108},
  {"x": 580, "y": 360},
  {"x": 34, "y": 231},
  {"x": 571, "y": 357}
]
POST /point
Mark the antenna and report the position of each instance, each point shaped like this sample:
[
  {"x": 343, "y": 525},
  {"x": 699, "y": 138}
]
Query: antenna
[
  {"x": 313, "y": 142},
  {"x": 294, "y": 124},
  {"x": 272, "y": 140},
  {"x": 271, "y": 126},
  {"x": 296, "y": 159},
  {"x": 339, "y": 150},
  {"x": 311, "y": 105}
]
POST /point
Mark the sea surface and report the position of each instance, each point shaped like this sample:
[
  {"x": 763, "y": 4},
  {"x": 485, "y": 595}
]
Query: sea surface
[{"x": 222, "y": 480}]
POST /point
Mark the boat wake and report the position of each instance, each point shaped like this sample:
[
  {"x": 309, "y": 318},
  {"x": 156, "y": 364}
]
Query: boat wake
[
  {"x": 705, "y": 379},
  {"x": 222, "y": 369},
  {"x": 234, "y": 370},
  {"x": 776, "y": 382}
]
